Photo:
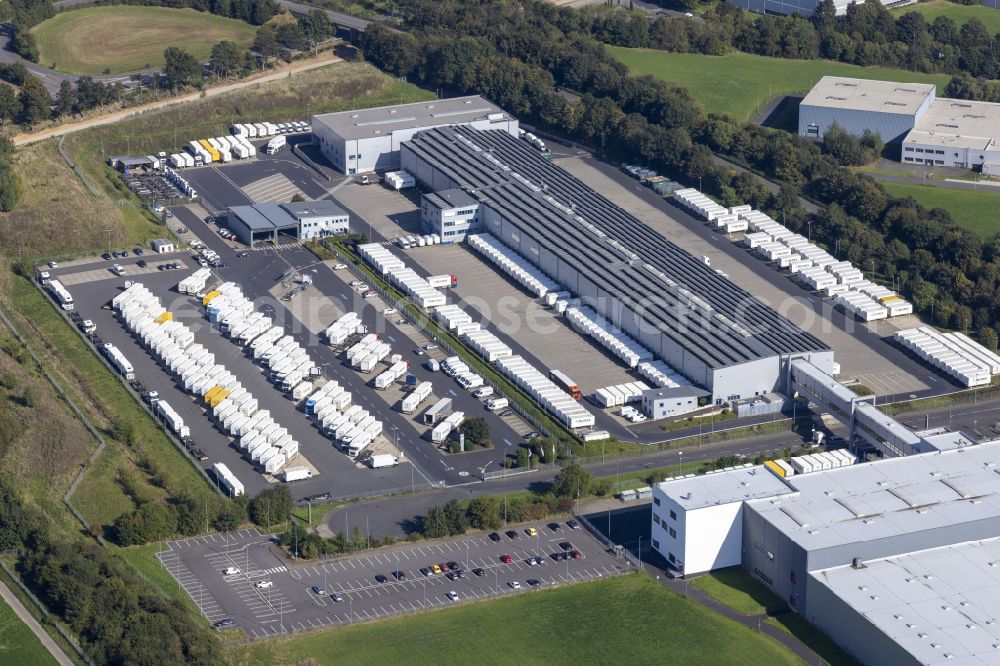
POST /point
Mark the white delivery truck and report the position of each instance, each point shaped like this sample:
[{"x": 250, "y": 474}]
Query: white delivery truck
[
  {"x": 297, "y": 474},
  {"x": 496, "y": 404},
  {"x": 383, "y": 460}
]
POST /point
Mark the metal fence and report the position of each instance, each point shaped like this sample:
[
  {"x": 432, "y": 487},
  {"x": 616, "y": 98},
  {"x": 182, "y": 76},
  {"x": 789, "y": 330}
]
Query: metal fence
[{"x": 504, "y": 473}]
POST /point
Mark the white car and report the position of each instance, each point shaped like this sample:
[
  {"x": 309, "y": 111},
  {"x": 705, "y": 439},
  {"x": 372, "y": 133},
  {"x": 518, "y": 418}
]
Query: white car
[
  {"x": 339, "y": 267},
  {"x": 231, "y": 571},
  {"x": 263, "y": 584},
  {"x": 452, "y": 596},
  {"x": 362, "y": 287},
  {"x": 53, "y": 264},
  {"x": 389, "y": 311},
  {"x": 514, "y": 585}
]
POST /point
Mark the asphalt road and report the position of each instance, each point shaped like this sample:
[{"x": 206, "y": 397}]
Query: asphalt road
[
  {"x": 292, "y": 603},
  {"x": 397, "y": 516}
]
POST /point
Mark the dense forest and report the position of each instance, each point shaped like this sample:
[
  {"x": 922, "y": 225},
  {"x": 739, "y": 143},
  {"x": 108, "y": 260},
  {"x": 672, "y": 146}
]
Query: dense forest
[{"x": 523, "y": 55}]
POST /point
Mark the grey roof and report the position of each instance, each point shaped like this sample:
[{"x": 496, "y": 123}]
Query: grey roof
[
  {"x": 271, "y": 215},
  {"x": 957, "y": 123},
  {"x": 940, "y": 605},
  {"x": 879, "y": 500},
  {"x": 942, "y": 439},
  {"x": 388, "y": 119},
  {"x": 710, "y": 317},
  {"x": 837, "y": 92},
  {"x": 674, "y": 392},
  {"x": 303, "y": 210},
  {"x": 451, "y": 198},
  {"x": 724, "y": 487},
  {"x": 252, "y": 218}
]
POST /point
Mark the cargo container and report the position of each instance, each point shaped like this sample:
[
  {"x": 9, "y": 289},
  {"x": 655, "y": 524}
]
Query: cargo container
[
  {"x": 382, "y": 460},
  {"x": 301, "y": 390},
  {"x": 227, "y": 480},
  {"x": 413, "y": 399},
  {"x": 172, "y": 419},
  {"x": 438, "y": 411}
]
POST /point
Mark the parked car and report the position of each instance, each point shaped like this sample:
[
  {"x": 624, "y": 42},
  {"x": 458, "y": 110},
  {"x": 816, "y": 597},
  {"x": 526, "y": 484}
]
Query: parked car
[
  {"x": 572, "y": 524},
  {"x": 531, "y": 531},
  {"x": 337, "y": 596},
  {"x": 399, "y": 575},
  {"x": 339, "y": 267},
  {"x": 555, "y": 527},
  {"x": 106, "y": 256},
  {"x": 506, "y": 559},
  {"x": 231, "y": 571},
  {"x": 435, "y": 568},
  {"x": 141, "y": 263},
  {"x": 533, "y": 582},
  {"x": 566, "y": 545},
  {"x": 575, "y": 554},
  {"x": 514, "y": 585},
  {"x": 138, "y": 251},
  {"x": 453, "y": 596},
  {"x": 512, "y": 534},
  {"x": 453, "y": 566},
  {"x": 479, "y": 572},
  {"x": 263, "y": 584},
  {"x": 224, "y": 622},
  {"x": 380, "y": 578},
  {"x": 318, "y": 589},
  {"x": 425, "y": 571},
  {"x": 494, "y": 537},
  {"x": 53, "y": 264}
]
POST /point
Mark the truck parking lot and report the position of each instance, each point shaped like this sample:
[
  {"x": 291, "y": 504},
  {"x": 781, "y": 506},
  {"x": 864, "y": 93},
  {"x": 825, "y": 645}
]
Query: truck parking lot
[{"x": 377, "y": 584}]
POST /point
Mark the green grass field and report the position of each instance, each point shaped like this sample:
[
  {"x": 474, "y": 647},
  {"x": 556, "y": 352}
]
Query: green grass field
[
  {"x": 17, "y": 644},
  {"x": 740, "y": 84},
  {"x": 118, "y": 39},
  {"x": 625, "y": 620},
  {"x": 739, "y": 591},
  {"x": 960, "y": 14},
  {"x": 973, "y": 209}
]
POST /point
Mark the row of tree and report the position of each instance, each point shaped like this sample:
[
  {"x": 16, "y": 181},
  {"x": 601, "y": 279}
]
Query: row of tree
[
  {"x": 254, "y": 12},
  {"x": 26, "y": 15},
  {"x": 867, "y": 35},
  {"x": 519, "y": 54},
  {"x": 118, "y": 617}
]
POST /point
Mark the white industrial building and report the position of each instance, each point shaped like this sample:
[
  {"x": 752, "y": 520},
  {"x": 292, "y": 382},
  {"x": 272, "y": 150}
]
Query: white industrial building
[
  {"x": 368, "y": 139},
  {"x": 805, "y": 7},
  {"x": 896, "y": 560},
  {"x": 932, "y": 131},
  {"x": 303, "y": 220},
  {"x": 451, "y": 214}
]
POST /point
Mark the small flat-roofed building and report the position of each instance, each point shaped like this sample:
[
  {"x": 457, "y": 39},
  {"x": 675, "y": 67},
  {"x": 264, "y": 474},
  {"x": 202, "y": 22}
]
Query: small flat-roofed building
[
  {"x": 806, "y": 7},
  {"x": 890, "y": 109},
  {"x": 368, "y": 139},
  {"x": 162, "y": 246},
  {"x": 303, "y": 221},
  {"x": 661, "y": 403},
  {"x": 451, "y": 213}
]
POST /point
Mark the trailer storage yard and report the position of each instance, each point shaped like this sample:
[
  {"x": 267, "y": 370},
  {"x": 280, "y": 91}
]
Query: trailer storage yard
[{"x": 259, "y": 276}]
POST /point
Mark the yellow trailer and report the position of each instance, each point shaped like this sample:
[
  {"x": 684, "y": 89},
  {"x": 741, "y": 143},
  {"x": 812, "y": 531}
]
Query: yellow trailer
[
  {"x": 211, "y": 149},
  {"x": 219, "y": 397},
  {"x": 890, "y": 299},
  {"x": 165, "y": 317},
  {"x": 209, "y": 296},
  {"x": 775, "y": 467},
  {"x": 212, "y": 393}
]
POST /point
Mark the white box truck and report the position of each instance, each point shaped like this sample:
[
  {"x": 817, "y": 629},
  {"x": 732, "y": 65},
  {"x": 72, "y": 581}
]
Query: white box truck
[
  {"x": 382, "y": 460},
  {"x": 297, "y": 474}
]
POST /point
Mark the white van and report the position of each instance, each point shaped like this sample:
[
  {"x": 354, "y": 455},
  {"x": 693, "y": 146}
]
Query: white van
[
  {"x": 496, "y": 404},
  {"x": 484, "y": 392}
]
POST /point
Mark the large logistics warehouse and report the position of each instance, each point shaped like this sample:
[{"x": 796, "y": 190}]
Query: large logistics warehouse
[
  {"x": 368, "y": 139},
  {"x": 897, "y": 560},
  {"x": 699, "y": 322},
  {"x": 933, "y": 131}
]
